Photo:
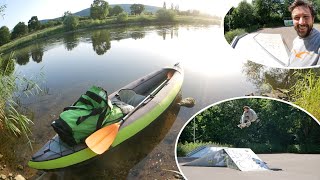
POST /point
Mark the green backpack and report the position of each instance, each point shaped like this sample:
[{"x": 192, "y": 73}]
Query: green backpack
[{"x": 89, "y": 113}]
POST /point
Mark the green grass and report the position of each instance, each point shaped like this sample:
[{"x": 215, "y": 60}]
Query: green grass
[
  {"x": 306, "y": 92},
  {"x": 31, "y": 37},
  {"x": 233, "y": 33},
  {"x": 12, "y": 120}
]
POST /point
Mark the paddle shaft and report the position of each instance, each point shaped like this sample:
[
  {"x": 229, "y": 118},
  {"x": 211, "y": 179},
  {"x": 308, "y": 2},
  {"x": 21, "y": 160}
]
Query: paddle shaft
[{"x": 144, "y": 100}]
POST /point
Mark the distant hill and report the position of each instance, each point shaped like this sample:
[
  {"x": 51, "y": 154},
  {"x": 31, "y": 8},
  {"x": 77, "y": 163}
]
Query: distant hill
[{"x": 125, "y": 7}]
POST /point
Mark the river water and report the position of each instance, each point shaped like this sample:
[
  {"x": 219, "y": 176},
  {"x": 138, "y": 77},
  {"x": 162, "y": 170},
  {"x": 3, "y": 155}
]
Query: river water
[{"x": 66, "y": 66}]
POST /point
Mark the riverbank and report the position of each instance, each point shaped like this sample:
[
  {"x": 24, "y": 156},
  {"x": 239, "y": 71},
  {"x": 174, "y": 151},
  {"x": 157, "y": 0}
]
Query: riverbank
[{"x": 107, "y": 23}]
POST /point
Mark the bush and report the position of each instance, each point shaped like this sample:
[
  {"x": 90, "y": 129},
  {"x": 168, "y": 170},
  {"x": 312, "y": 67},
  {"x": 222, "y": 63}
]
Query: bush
[
  {"x": 232, "y": 34},
  {"x": 71, "y": 22},
  {"x": 122, "y": 17},
  {"x": 165, "y": 15},
  {"x": 184, "y": 149}
]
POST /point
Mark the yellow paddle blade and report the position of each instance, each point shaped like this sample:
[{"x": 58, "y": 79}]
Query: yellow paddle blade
[{"x": 101, "y": 140}]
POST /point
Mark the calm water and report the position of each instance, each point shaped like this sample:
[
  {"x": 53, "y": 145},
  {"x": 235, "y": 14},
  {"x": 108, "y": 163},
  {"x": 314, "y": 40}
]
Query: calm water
[{"x": 111, "y": 59}]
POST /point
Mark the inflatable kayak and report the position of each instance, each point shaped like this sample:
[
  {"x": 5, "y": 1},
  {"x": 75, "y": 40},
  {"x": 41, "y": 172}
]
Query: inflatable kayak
[{"x": 55, "y": 154}]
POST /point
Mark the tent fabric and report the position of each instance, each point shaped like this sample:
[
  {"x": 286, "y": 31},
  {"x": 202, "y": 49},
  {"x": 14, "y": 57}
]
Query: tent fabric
[{"x": 129, "y": 96}]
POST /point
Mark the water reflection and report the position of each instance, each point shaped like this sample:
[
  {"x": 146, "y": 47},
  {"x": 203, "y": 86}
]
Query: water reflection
[
  {"x": 261, "y": 76},
  {"x": 172, "y": 31},
  {"x": 71, "y": 41},
  {"x": 37, "y": 53},
  {"x": 22, "y": 57},
  {"x": 138, "y": 35},
  {"x": 117, "y": 162},
  {"x": 101, "y": 41}
]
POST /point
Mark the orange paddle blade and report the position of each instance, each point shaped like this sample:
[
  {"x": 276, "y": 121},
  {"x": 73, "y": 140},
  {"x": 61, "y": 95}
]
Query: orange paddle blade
[{"x": 101, "y": 140}]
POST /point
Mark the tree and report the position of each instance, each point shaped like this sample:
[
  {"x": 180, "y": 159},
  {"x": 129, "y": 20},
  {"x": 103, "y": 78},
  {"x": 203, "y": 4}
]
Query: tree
[
  {"x": 165, "y": 15},
  {"x": 99, "y": 9},
  {"x": 4, "y": 35},
  {"x": 65, "y": 14},
  {"x": 164, "y": 5},
  {"x": 116, "y": 10},
  {"x": 34, "y": 24},
  {"x": 71, "y": 22},
  {"x": 242, "y": 16},
  {"x": 263, "y": 10},
  {"x": 19, "y": 30},
  {"x": 122, "y": 17},
  {"x": 176, "y": 8},
  {"x": 136, "y": 9},
  {"x": 2, "y": 7}
]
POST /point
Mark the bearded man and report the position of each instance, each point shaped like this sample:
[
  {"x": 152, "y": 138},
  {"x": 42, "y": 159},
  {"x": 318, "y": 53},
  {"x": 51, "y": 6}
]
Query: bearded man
[{"x": 306, "y": 46}]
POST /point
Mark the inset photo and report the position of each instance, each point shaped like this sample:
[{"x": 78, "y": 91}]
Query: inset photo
[
  {"x": 282, "y": 34},
  {"x": 250, "y": 138}
]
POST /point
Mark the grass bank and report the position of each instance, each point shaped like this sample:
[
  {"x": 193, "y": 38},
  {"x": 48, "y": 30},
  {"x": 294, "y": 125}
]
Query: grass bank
[{"x": 106, "y": 23}]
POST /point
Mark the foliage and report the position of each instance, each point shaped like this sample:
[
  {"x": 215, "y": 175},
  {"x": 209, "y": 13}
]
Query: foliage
[
  {"x": 184, "y": 148},
  {"x": 165, "y": 15},
  {"x": 99, "y": 9},
  {"x": 66, "y": 14},
  {"x": 281, "y": 126},
  {"x": 306, "y": 91},
  {"x": 122, "y": 17},
  {"x": 242, "y": 16},
  {"x": 101, "y": 41},
  {"x": 4, "y": 35},
  {"x": 263, "y": 13},
  {"x": 10, "y": 117},
  {"x": 116, "y": 10},
  {"x": 71, "y": 22},
  {"x": 136, "y": 9},
  {"x": 33, "y": 24},
  {"x": 19, "y": 30},
  {"x": 2, "y": 8},
  {"x": 232, "y": 34},
  {"x": 285, "y": 10}
]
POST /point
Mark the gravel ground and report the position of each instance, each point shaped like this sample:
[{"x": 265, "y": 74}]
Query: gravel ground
[
  {"x": 285, "y": 167},
  {"x": 287, "y": 33}
]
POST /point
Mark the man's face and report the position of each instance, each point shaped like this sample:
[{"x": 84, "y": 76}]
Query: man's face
[{"x": 302, "y": 20}]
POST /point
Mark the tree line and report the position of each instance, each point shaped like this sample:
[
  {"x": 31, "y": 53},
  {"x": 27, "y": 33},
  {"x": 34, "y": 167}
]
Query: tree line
[
  {"x": 261, "y": 13},
  {"x": 282, "y": 127},
  {"x": 99, "y": 10}
]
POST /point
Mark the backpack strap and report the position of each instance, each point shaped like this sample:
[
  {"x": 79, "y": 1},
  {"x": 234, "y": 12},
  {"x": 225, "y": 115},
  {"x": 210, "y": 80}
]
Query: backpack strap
[
  {"x": 84, "y": 101},
  {"x": 93, "y": 113},
  {"x": 96, "y": 97},
  {"x": 101, "y": 118}
]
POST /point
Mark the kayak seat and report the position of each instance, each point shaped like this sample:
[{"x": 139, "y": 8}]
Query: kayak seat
[{"x": 129, "y": 96}]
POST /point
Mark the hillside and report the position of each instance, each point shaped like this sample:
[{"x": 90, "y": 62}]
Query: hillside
[{"x": 125, "y": 7}]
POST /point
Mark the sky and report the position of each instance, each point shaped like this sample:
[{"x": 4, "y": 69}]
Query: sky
[{"x": 23, "y": 10}]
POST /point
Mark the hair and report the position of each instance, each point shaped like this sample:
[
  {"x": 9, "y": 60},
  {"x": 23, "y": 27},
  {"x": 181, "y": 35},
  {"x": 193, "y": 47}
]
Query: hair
[
  {"x": 246, "y": 107},
  {"x": 304, "y": 3}
]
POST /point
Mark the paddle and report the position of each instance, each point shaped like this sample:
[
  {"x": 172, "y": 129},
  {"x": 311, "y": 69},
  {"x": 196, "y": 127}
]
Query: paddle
[{"x": 101, "y": 140}]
